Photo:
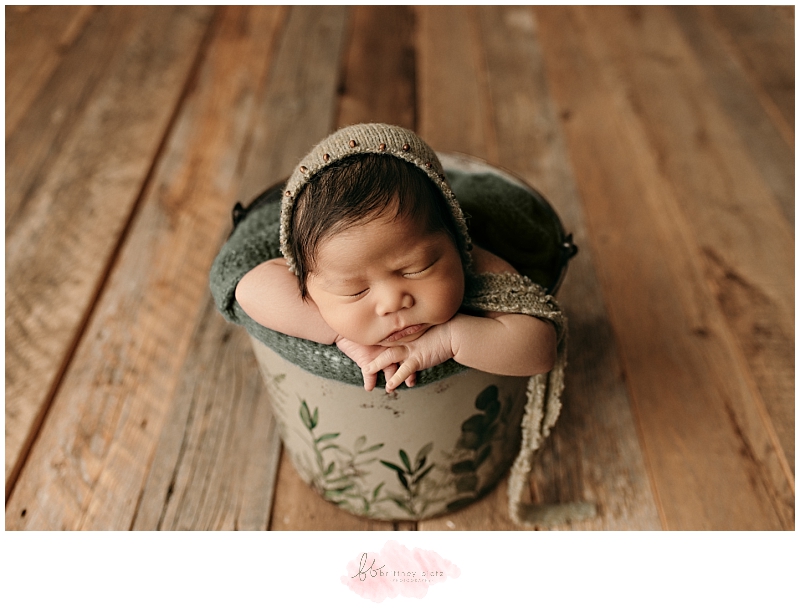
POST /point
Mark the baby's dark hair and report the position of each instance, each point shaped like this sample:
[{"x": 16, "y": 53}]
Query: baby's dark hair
[{"x": 356, "y": 190}]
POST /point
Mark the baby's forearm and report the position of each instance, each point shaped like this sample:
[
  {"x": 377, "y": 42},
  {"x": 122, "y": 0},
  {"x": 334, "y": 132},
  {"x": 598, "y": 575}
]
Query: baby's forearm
[
  {"x": 270, "y": 296},
  {"x": 509, "y": 344}
]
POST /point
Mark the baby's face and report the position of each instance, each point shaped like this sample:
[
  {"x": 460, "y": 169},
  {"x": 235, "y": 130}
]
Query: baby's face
[{"x": 386, "y": 282}]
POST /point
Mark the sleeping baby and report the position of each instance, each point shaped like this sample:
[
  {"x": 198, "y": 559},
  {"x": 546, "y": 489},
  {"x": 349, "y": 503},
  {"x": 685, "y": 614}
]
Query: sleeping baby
[{"x": 377, "y": 260}]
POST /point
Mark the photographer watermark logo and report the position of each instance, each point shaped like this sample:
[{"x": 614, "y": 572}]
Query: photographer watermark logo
[{"x": 396, "y": 570}]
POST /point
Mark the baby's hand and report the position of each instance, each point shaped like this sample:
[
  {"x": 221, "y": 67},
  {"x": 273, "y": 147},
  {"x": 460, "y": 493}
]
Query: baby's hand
[
  {"x": 434, "y": 347},
  {"x": 363, "y": 355}
]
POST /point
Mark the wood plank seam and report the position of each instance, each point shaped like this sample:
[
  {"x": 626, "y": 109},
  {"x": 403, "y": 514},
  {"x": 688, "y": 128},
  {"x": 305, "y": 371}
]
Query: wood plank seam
[
  {"x": 281, "y": 460},
  {"x": 244, "y": 155},
  {"x": 341, "y": 70},
  {"x": 32, "y": 174},
  {"x": 104, "y": 276},
  {"x": 770, "y": 107},
  {"x": 19, "y": 99},
  {"x": 487, "y": 106},
  {"x": 74, "y": 28},
  {"x": 173, "y": 477},
  {"x": 763, "y": 139}
]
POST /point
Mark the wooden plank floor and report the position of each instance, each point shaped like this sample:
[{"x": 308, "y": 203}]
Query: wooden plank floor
[{"x": 664, "y": 137}]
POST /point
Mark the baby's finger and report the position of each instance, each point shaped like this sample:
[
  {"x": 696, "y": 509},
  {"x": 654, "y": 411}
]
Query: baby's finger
[
  {"x": 370, "y": 379},
  {"x": 389, "y": 371},
  {"x": 405, "y": 371},
  {"x": 412, "y": 380},
  {"x": 392, "y": 355}
]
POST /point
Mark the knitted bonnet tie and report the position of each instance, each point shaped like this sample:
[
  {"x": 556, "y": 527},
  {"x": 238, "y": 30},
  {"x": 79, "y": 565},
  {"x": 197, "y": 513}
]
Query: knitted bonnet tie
[{"x": 510, "y": 293}]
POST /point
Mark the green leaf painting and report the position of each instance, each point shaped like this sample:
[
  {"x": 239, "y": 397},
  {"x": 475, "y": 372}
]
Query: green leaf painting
[
  {"x": 488, "y": 395},
  {"x": 410, "y": 478},
  {"x": 477, "y": 433},
  {"x": 420, "y": 481},
  {"x": 340, "y": 474},
  {"x": 306, "y": 416},
  {"x": 405, "y": 460},
  {"x": 392, "y": 466}
]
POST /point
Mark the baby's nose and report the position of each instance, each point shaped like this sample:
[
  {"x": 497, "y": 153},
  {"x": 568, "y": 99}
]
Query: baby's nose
[{"x": 393, "y": 299}]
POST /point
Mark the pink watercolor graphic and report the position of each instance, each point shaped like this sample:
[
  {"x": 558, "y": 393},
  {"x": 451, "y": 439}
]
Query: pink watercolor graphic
[{"x": 396, "y": 570}]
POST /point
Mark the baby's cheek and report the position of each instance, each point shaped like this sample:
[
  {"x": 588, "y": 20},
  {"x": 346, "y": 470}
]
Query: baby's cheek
[
  {"x": 455, "y": 296},
  {"x": 353, "y": 324}
]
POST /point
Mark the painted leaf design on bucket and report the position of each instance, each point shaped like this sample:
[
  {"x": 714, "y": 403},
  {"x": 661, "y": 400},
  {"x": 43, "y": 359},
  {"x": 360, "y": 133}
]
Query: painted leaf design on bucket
[
  {"x": 421, "y": 458},
  {"x": 410, "y": 477},
  {"x": 477, "y": 433},
  {"x": 309, "y": 421},
  {"x": 419, "y": 483},
  {"x": 406, "y": 461},
  {"x": 340, "y": 474}
]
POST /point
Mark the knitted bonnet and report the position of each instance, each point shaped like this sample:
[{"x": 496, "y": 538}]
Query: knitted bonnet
[{"x": 381, "y": 139}]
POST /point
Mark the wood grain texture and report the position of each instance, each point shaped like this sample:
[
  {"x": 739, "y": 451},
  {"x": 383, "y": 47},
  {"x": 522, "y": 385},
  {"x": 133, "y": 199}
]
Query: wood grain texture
[
  {"x": 593, "y": 454},
  {"x": 747, "y": 243},
  {"x": 217, "y": 456},
  {"x": 85, "y": 80},
  {"x": 764, "y": 41},
  {"x": 36, "y": 39},
  {"x": 91, "y": 461},
  {"x": 784, "y": 13},
  {"x": 713, "y": 459},
  {"x": 769, "y": 149},
  {"x": 299, "y": 108},
  {"x": 378, "y": 81},
  {"x": 60, "y": 244},
  {"x": 450, "y": 71}
]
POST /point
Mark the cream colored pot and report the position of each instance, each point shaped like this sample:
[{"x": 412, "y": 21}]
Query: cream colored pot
[{"x": 407, "y": 455}]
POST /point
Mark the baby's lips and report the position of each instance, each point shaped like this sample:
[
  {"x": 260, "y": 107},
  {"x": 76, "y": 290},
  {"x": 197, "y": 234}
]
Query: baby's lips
[{"x": 402, "y": 333}]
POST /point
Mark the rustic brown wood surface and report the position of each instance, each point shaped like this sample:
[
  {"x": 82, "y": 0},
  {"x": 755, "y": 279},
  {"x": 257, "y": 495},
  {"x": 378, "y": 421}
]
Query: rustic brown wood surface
[
  {"x": 685, "y": 372},
  {"x": 763, "y": 42},
  {"x": 80, "y": 184},
  {"x": 749, "y": 250},
  {"x": 770, "y": 146},
  {"x": 36, "y": 37},
  {"x": 664, "y": 137}
]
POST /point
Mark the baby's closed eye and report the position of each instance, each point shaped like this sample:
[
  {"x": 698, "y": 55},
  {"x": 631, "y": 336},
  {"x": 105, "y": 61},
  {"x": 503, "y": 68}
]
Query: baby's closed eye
[{"x": 419, "y": 271}]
